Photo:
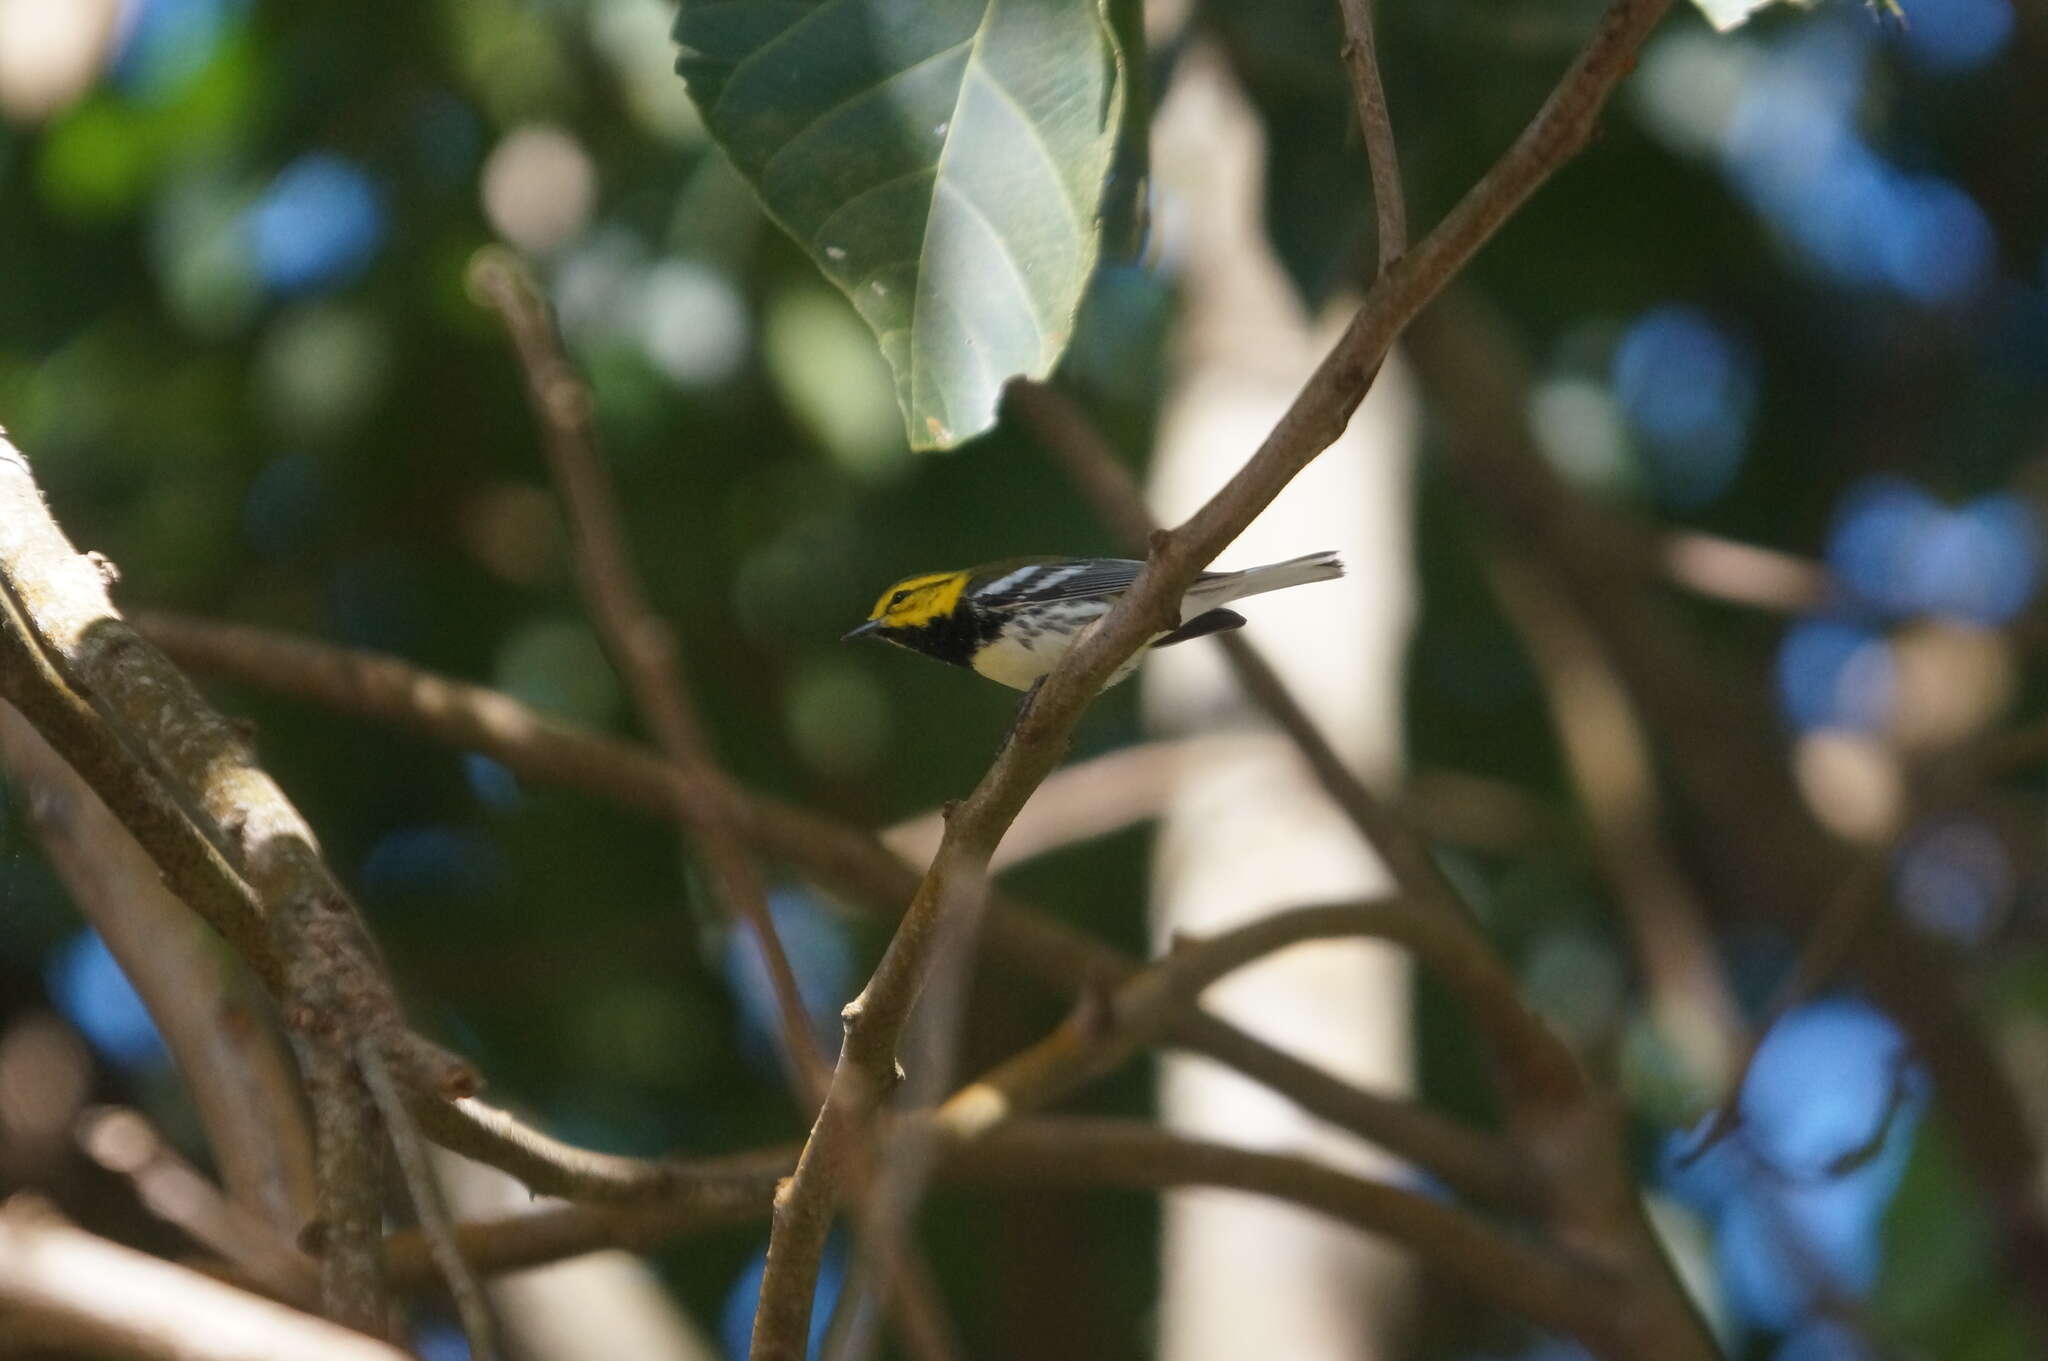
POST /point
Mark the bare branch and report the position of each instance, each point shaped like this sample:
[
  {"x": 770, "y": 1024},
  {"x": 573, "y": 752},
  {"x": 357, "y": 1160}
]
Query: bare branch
[
  {"x": 552, "y": 1232},
  {"x": 1769, "y": 859},
  {"x": 1744, "y": 574},
  {"x": 955, "y": 881},
  {"x": 549, "y": 1167},
  {"x": 208, "y": 1009},
  {"x": 1085, "y": 800},
  {"x": 348, "y": 1164},
  {"x": 849, "y": 862},
  {"x": 424, "y": 1189},
  {"x": 1551, "y": 1289},
  {"x": 131, "y": 724},
  {"x": 1533, "y": 1061},
  {"x": 1609, "y": 757},
  {"x": 1362, "y": 63},
  {"x": 643, "y": 647},
  {"x": 192, "y": 865},
  {"x": 641, "y": 643},
  {"x": 61, "y": 1286},
  {"x": 125, "y": 1143},
  {"x": 1073, "y": 438},
  {"x": 1107, "y": 1028},
  {"x": 301, "y": 933}
]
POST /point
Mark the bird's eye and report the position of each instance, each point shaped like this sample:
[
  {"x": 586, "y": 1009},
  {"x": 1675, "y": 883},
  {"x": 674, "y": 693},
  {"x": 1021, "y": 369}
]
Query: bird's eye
[{"x": 898, "y": 599}]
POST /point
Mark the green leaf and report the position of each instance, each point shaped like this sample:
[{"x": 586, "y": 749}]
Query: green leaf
[{"x": 943, "y": 163}]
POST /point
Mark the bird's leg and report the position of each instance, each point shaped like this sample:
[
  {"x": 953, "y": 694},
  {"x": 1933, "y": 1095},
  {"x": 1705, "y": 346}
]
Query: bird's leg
[{"x": 1023, "y": 708}]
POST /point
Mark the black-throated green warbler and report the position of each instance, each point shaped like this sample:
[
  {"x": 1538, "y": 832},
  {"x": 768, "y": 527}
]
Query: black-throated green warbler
[{"x": 1013, "y": 620}]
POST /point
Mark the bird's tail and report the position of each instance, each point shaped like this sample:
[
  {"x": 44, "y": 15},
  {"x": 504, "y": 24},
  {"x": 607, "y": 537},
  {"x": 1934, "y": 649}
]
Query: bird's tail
[{"x": 1278, "y": 576}]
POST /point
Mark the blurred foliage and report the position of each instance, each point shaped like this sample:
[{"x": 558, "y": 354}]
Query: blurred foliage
[{"x": 1795, "y": 295}]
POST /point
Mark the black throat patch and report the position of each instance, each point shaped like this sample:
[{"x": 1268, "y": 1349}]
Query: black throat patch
[{"x": 954, "y": 637}]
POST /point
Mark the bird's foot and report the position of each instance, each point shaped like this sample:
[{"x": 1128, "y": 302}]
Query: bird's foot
[{"x": 1023, "y": 708}]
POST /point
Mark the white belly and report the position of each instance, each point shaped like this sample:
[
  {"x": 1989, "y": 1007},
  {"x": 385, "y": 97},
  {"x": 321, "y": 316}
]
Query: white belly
[
  {"x": 1022, "y": 656},
  {"x": 1019, "y": 662}
]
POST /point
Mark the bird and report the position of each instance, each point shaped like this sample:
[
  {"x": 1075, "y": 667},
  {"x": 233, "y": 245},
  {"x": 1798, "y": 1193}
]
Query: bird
[{"x": 1013, "y": 620}]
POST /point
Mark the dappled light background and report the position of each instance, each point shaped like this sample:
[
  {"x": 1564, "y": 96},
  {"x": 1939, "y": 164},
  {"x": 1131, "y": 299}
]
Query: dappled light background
[{"x": 1795, "y": 297}]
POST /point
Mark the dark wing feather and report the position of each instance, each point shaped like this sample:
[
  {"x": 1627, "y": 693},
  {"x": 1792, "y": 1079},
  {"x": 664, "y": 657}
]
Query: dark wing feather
[
  {"x": 1061, "y": 579},
  {"x": 1201, "y": 626}
]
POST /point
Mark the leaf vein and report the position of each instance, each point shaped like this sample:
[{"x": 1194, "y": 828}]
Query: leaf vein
[
  {"x": 817, "y": 241},
  {"x": 1052, "y": 165},
  {"x": 851, "y": 101},
  {"x": 1016, "y": 271},
  {"x": 917, "y": 303},
  {"x": 754, "y": 56}
]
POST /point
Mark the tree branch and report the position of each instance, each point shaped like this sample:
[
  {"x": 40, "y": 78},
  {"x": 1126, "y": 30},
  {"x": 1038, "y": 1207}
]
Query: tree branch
[
  {"x": 1608, "y": 755},
  {"x": 1745, "y": 574},
  {"x": 137, "y": 730},
  {"x": 1531, "y": 1059},
  {"x": 61, "y": 1286},
  {"x": 124, "y": 1142},
  {"x": 191, "y": 864},
  {"x": 956, "y": 879},
  {"x": 1073, "y": 438},
  {"x": 1362, "y": 63},
  {"x": 429, "y": 1208},
  {"x": 219, "y": 1030},
  {"x": 1768, "y": 859},
  {"x": 1106, "y": 1029},
  {"x": 304, "y": 939},
  {"x": 1550, "y": 1288},
  {"x": 549, "y": 1167},
  {"x": 849, "y": 862},
  {"x": 640, "y": 642}
]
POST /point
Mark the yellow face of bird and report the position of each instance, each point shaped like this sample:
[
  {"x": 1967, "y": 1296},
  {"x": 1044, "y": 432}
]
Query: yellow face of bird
[{"x": 915, "y": 601}]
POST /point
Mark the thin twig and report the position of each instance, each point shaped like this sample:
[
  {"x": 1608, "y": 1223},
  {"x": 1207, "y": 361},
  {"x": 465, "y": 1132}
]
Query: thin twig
[
  {"x": 1845, "y": 921},
  {"x": 1744, "y": 574},
  {"x": 549, "y": 1167},
  {"x": 1107, "y": 1028},
  {"x": 1554, "y": 1290},
  {"x": 138, "y": 731},
  {"x": 893, "y": 1174},
  {"x": 348, "y": 1166},
  {"x": 849, "y": 862},
  {"x": 640, "y": 642},
  {"x": 424, "y": 1189},
  {"x": 125, "y": 1143},
  {"x": 1369, "y": 93},
  {"x": 550, "y": 1233},
  {"x": 1072, "y": 437},
  {"x": 1088, "y": 799},
  {"x": 644, "y": 648},
  {"x": 1608, "y": 755},
  {"x": 1538, "y": 1284},
  {"x": 192, "y": 865},
  {"x": 1536, "y": 1062},
  {"x": 220, "y": 1031},
  {"x": 1767, "y": 858},
  {"x": 954, "y": 882}
]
